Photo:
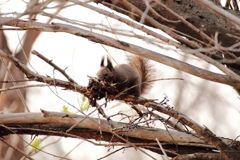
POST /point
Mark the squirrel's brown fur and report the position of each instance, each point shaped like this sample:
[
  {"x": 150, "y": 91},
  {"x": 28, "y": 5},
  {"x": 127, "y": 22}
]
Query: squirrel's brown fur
[
  {"x": 145, "y": 70},
  {"x": 132, "y": 79}
]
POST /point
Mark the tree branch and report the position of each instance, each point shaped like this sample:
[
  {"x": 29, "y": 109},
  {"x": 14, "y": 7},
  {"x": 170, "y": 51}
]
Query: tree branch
[
  {"x": 130, "y": 48},
  {"x": 55, "y": 123},
  {"x": 189, "y": 10},
  {"x": 36, "y": 77}
]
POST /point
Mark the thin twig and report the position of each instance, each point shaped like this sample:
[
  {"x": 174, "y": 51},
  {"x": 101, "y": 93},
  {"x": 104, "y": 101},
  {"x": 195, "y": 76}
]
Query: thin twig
[
  {"x": 162, "y": 149},
  {"x": 53, "y": 65},
  {"x": 11, "y": 81},
  {"x": 23, "y": 86},
  {"x": 14, "y": 84},
  {"x": 34, "y": 76},
  {"x": 15, "y": 148}
]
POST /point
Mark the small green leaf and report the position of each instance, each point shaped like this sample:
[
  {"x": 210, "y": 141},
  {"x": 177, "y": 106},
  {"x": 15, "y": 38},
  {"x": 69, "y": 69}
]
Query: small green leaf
[
  {"x": 84, "y": 105},
  {"x": 84, "y": 98},
  {"x": 35, "y": 144},
  {"x": 65, "y": 109}
]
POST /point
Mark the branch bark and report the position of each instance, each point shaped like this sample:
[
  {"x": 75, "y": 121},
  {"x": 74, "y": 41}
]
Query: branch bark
[
  {"x": 187, "y": 9},
  {"x": 60, "y": 124},
  {"x": 57, "y": 27}
]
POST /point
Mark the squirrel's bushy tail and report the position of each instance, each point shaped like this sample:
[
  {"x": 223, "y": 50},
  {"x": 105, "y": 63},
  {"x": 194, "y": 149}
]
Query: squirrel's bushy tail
[{"x": 146, "y": 71}]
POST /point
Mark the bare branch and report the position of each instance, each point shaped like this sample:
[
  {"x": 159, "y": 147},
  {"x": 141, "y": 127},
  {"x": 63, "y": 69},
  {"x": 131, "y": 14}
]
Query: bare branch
[
  {"x": 54, "y": 65},
  {"x": 23, "y": 86},
  {"x": 34, "y": 76},
  {"x": 131, "y": 48},
  {"x": 89, "y": 125}
]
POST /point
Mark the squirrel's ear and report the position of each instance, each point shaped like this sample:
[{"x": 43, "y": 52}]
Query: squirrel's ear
[
  {"x": 109, "y": 64},
  {"x": 102, "y": 62}
]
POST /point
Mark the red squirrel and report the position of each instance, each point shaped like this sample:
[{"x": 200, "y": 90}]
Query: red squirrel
[{"x": 133, "y": 78}]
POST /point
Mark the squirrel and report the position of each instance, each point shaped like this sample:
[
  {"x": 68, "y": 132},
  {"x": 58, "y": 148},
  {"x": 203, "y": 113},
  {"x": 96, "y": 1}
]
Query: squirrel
[{"x": 133, "y": 78}]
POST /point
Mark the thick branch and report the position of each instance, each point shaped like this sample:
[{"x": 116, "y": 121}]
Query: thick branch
[{"x": 53, "y": 123}]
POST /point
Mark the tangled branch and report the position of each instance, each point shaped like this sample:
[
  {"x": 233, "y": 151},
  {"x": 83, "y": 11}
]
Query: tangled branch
[{"x": 225, "y": 149}]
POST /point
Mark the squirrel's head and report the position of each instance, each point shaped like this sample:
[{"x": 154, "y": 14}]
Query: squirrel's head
[{"x": 105, "y": 73}]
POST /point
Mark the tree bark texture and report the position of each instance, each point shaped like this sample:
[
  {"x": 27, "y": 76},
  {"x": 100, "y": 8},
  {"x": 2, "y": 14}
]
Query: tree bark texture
[{"x": 77, "y": 126}]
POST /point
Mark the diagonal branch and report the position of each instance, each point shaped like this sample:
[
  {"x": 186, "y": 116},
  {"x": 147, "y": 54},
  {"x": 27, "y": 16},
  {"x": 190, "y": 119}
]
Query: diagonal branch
[
  {"x": 54, "y": 65},
  {"x": 36, "y": 77},
  {"x": 130, "y": 48}
]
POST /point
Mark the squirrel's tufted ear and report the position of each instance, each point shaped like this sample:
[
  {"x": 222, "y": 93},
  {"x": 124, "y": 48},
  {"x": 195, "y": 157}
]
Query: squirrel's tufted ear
[
  {"x": 109, "y": 64},
  {"x": 102, "y": 62}
]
